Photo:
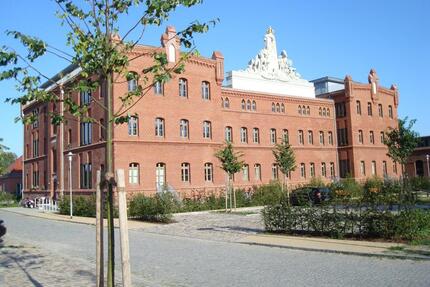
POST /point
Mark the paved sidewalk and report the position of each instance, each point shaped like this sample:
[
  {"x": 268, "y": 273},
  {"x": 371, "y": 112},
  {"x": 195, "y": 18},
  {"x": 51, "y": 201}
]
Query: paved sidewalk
[{"x": 245, "y": 227}]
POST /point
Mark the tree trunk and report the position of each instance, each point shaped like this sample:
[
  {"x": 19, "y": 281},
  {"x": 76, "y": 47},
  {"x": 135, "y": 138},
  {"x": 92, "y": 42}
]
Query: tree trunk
[
  {"x": 286, "y": 188},
  {"x": 226, "y": 193},
  {"x": 234, "y": 198},
  {"x": 230, "y": 195}
]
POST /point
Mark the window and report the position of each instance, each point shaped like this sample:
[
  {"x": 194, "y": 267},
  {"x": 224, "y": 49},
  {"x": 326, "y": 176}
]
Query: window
[
  {"x": 320, "y": 111},
  {"x": 35, "y": 144},
  {"x": 86, "y": 176},
  {"x": 158, "y": 88},
  {"x": 248, "y": 105},
  {"x": 390, "y": 111},
  {"x": 133, "y": 173},
  {"x": 302, "y": 170},
  {"x": 35, "y": 177},
  {"x": 342, "y": 137},
  {"x": 206, "y": 91},
  {"x": 229, "y": 134},
  {"x": 245, "y": 172},
  {"x": 301, "y": 138},
  {"x": 299, "y": 110},
  {"x": 256, "y": 135},
  {"x": 340, "y": 110},
  {"x": 207, "y": 130},
  {"x": 330, "y": 138},
  {"x": 384, "y": 168},
  {"x": 254, "y": 106},
  {"x": 308, "y": 111},
  {"x": 362, "y": 168},
  {"x": 257, "y": 171},
  {"x": 86, "y": 133},
  {"x": 328, "y": 112},
  {"x": 360, "y": 136},
  {"x": 332, "y": 169},
  {"x": 102, "y": 130},
  {"x": 183, "y": 88},
  {"x": 285, "y": 135},
  {"x": 278, "y": 108},
  {"x": 160, "y": 176},
  {"x": 371, "y": 137},
  {"x": 358, "y": 104},
  {"x": 272, "y": 136},
  {"x": 322, "y": 138},
  {"x": 226, "y": 103},
  {"x": 282, "y": 108},
  {"x": 185, "y": 172},
  {"x": 159, "y": 127},
  {"x": 35, "y": 119},
  {"x": 69, "y": 136},
  {"x": 208, "y": 172},
  {"x": 323, "y": 169},
  {"x": 133, "y": 126},
  {"x": 85, "y": 97},
  {"x": 274, "y": 171},
  {"x": 380, "y": 111},
  {"x": 324, "y": 112},
  {"x": 382, "y": 135},
  {"x": 132, "y": 82},
  {"x": 312, "y": 169},
  {"x": 369, "y": 108},
  {"x": 183, "y": 128},
  {"x": 373, "y": 167},
  {"x": 310, "y": 137},
  {"x": 273, "y": 107},
  {"x": 243, "y": 104},
  {"x": 243, "y": 135}
]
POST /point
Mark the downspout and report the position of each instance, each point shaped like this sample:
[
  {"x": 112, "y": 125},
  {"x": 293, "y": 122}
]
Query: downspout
[{"x": 61, "y": 138}]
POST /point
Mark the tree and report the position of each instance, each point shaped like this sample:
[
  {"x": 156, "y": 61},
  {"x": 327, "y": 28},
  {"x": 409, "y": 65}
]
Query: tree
[
  {"x": 6, "y": 158},
  {"x": 231, "y": 164},
  {"x": 285, "y": 160},
  {"x": 103, "y": 59},
  {"x": 401, "y": 142}
]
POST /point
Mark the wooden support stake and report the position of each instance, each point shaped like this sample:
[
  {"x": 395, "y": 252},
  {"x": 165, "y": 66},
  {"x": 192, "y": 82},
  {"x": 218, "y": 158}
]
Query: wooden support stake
[
  {"x": 99, "y": 233},
  {"x": 123, "y": 229}
]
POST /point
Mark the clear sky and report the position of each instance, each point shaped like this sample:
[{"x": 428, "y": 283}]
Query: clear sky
[{"x": 322, "y": 38}]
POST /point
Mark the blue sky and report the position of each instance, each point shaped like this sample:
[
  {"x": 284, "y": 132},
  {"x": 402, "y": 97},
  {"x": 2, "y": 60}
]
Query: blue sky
[{"x": 322, "y": 38}]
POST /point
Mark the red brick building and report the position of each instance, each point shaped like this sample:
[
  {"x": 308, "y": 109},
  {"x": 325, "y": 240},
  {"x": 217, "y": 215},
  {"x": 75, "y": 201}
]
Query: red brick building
[
  {"x": 11, "y": 181},
  {"x": 181, "y": 124}
]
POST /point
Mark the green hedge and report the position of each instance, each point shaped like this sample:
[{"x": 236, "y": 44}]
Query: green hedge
[
  {"x": 7, "y": 199},
  {"x": 330, "y": 221},
  {"x": 82, "y": 206},
  {"x": 157, "y": 208}
]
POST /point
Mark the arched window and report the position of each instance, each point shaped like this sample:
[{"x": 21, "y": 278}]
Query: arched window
[
  {"x": 282, "y": 108},
  {"x": 132, "y": 79},
  {"x": 206, "y": 90},
  {"x": 320, "y": 111},
  {"x": 310, "y": 137},
  {"x": 380, "y": 111},
  {"x": 312, "y": 169},
  {"x": 390, "y": 111},
  {"x": 301, "y": 137},
  {"x": 133, "y": 126},
  {"x": 285, "y": 135},
  {"x": 328, "y": 112},
  {"x": 183, "y": 128},
  {"x": 133, "y": 173},
  {"x": 158, "y": 88},
  {"x": 278, "y": 108},
  {"x": 273, "y": 107},
  {"x": 257, "y": 171},
  {"x": 245, "y": 172},
  {"x": 183, "y": 88},
  {"x": 360, "y": 136},
  {"x": 254, "y": 106},
  {"x": 159, "y": 127},
  {"x": 208, "y": 172},
  {"x": 330, "y": 138},
  {"x": 226, "y": 103},
  {"x": 229, "y": 134},
  {"x": 256, "y": 135},
  {"x": 369, "y": 108},
  {"x": 300, "y": 110},
  {"x": 185, "y": 172},
  {"x": 308, "y": 111},
  {"x": 243, "y": 105},
  {"x": 324, "y": 112},
  {"x": 243, "y": 135},
  {"x": 274, "y": 171},
  {"x": 248, "y": 105},
  {"x": 322, "y": 140},
  {"x": 302, "y": 170},
  {"x": 272, "y": 136},
  {"x": 160, "y": 176},
  {"x": 358, "y": 107}
]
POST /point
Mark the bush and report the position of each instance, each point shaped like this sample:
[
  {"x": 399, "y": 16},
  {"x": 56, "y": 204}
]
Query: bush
[
  {"x": 158, "y": 208},
  {"x": 7, "y": 199},
  {"x": 316, "y": 182},
  {"x": 420, "y": 183},
  {"x": 82, "y": 206},
  {"x": 267, "y": 194},
  {"x": 410, "y": 224}
]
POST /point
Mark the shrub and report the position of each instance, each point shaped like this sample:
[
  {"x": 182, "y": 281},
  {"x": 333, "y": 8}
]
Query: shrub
[
  {"x": 7, "y": 199},
  {"x": 267, "y": 194},
  {"x": 157, "y": 208},
  {"x": 420, "y": 183},
  {"x": 82, "y": 206},
  {"x": 316, "y": 182}
]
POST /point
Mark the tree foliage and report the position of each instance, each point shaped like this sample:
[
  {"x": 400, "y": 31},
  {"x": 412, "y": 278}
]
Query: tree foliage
[
  {"x": 284, "y": 157},
  {"x": 401, "y": 141},
  {"x": 6, "y": 158},
  {"x": 230, "y": 160}
]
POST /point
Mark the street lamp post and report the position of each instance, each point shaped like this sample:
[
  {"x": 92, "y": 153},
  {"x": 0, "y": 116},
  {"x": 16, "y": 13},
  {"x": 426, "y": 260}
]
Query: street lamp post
[
  {"x": 70, "y": 155},
  {"x": 428, "y": 166}
]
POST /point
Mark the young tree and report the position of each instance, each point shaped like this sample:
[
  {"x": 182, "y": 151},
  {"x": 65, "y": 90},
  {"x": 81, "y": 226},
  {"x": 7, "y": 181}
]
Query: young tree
[
  {"x": 231, "y": 164},
  {"x": 285, "y": 160},
  {"x": 6, "y": 158},
  {"x": 103, "y": 59},
  {"x": 401, "y": 142}
]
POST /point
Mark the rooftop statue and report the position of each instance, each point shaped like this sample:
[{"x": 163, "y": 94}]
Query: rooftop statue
[{"x": 269, "y": 65}]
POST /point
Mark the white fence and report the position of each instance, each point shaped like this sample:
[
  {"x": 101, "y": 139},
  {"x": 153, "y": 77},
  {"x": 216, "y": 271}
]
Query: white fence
[{"x": 46, "y": 204}]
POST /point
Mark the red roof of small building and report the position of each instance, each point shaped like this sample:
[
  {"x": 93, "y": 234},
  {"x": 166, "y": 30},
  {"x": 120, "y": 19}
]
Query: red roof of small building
[{"x": 16, "y": 166}]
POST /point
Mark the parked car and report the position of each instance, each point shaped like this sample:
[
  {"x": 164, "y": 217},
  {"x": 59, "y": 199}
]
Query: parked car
[{"x": 309, "y": 195}]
